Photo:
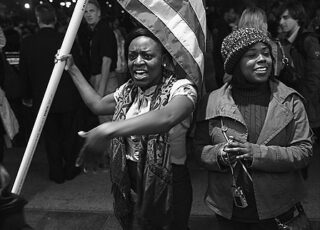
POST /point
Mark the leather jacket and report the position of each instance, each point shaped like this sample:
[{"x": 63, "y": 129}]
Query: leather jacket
[{"x": 283, "y": 148}]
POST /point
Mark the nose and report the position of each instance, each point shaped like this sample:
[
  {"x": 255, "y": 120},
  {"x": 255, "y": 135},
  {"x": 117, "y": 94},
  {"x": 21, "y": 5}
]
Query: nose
[
  {"x": 261, "y": 58},
  {"x": 139, "y": 60},
  {"x": 281, "y": 21}
]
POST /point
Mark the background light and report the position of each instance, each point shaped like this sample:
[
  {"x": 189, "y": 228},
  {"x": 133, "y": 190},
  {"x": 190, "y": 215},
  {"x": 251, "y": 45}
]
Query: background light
[{"x": 27, "y": 6}]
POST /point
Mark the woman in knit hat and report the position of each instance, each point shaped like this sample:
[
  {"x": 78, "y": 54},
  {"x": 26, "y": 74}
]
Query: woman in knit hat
[
  {"x": 255, "y": 17},
  {"x": 253, "y": 136}
]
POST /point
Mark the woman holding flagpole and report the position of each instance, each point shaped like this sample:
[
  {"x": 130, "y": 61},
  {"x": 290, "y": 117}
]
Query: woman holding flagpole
[{"x": 151, "y": 115}]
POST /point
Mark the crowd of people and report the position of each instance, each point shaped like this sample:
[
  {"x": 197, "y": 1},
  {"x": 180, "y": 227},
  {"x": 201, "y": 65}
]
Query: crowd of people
[{"x": 254, "y": 127}]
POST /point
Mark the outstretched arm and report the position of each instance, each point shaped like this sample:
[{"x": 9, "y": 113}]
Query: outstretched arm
[{"x": 159, "y": 121}]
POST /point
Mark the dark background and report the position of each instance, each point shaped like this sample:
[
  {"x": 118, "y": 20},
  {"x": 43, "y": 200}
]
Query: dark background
[{"x": 15, "y": 8}]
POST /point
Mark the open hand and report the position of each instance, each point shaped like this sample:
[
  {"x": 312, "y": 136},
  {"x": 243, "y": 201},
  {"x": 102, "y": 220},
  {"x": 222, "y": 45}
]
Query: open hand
[{"x": 92, "y": 152}]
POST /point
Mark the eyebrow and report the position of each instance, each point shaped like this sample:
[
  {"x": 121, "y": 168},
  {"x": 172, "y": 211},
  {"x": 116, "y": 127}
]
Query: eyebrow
[
  {"x": 142, "y": 51},
  {"x": 263, "y": 47},
  {"x": 253, "y": 48}
]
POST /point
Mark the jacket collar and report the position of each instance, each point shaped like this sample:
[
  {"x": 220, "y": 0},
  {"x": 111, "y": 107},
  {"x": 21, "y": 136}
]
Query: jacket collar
[
  {"x": 293, "y": 36},
  {"x": 221, "y": 104}
]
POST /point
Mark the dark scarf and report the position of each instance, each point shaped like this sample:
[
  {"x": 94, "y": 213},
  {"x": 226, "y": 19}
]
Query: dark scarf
[{"x": 153, "y": 206}]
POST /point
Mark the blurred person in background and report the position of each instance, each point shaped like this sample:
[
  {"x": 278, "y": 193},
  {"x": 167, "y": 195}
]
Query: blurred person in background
[
  {"x": 2, "y": 73},
  {"x": 102, "y": 48},
  {"x": 302, "y": 69},
  {"x": 120, "y": 33},
  {"x": 37, "y": 57}
]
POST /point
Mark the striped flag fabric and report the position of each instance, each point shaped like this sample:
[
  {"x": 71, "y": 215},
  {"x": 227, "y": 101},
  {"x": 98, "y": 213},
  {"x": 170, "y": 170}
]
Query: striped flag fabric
[{"x": 180, "y": 25}]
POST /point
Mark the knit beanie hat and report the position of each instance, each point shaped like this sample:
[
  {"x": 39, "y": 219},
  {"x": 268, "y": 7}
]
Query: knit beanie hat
[{"x": 237, "y": 43}]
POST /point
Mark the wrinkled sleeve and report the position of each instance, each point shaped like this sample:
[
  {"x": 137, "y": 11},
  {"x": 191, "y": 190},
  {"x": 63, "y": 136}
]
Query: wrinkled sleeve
[
  {"x": 298, "y": 152},
  {"x": 206, "y": 153},
  {"x": 184, "y": 87}
]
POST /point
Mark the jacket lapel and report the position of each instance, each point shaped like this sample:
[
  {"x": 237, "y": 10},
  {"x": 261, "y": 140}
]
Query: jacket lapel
[
  {"x": 278, "y": 115},
  {"x": 221, "y": 104}
]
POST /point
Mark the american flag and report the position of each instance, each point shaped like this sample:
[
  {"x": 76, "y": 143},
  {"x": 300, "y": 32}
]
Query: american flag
[{"x": 180, "y": 25}]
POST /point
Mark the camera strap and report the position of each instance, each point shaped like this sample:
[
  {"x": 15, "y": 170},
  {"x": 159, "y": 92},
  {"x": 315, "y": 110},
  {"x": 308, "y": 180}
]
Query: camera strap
[{"x": 224, "y": 132}]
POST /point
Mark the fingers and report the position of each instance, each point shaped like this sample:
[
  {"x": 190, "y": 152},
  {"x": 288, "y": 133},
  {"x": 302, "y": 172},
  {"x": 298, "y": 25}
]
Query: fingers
[
  {"x": 235, "y": 149},
  {"x": 88, "y": 158},
  {"x": 245, "y": 157},
  {"x": 232, "y": 145},
  {"x": 242, "y": 157},
  {"x": 82, "y": 134},
  {"x": 236, "y": 139},
  {"x": 67, "y": 58},
  {"x": 79, "y": 160},
  {"x": 81, "y": 156}
]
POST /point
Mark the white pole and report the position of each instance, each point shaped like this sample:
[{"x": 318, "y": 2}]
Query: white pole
[{"x": 49, "y": 94}]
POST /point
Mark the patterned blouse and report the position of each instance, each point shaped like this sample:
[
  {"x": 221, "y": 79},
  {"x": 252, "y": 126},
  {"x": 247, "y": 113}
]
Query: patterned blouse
[{"x": 177, "y": 134}]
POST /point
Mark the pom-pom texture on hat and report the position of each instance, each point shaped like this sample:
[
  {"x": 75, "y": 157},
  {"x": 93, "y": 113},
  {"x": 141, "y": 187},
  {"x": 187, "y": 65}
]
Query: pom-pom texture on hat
[{"x": 236, "y": 44}]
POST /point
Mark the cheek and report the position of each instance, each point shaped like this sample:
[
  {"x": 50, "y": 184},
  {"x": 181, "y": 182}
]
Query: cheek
[
  {"x": 247, "y": 74},
  {"x": 130, "y": 65},
  {"x": 269, "y": 61},
  {"x": 290, "y": 24},
  {"x": 155, "y": 66},
  {"x": 246, "y": 65}
]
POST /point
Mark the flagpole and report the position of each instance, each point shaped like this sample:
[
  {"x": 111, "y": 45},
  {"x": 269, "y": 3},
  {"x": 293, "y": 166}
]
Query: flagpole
[{"x": 49, "y": 94}]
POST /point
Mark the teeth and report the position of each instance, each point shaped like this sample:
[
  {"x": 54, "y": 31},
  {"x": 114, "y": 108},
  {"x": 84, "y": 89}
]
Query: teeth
[
  {"x": 140, "y": 71},
  {"x": 262, "y": 69}
]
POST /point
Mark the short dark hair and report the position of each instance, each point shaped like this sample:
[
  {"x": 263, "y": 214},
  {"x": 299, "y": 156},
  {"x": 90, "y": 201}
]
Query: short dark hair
[
  {"x": 46, "y": 14},
  {"x": 296, "y": 11},
  {"x": 137, "y": 32}
]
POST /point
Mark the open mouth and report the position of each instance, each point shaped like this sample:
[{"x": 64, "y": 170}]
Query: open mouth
[
  {"x": 261, "y": 70},
  {"x": 140, "y": 74}
]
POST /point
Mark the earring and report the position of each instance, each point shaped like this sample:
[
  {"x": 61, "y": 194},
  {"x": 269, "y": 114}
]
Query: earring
[{"x": 164, "y": 65}]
